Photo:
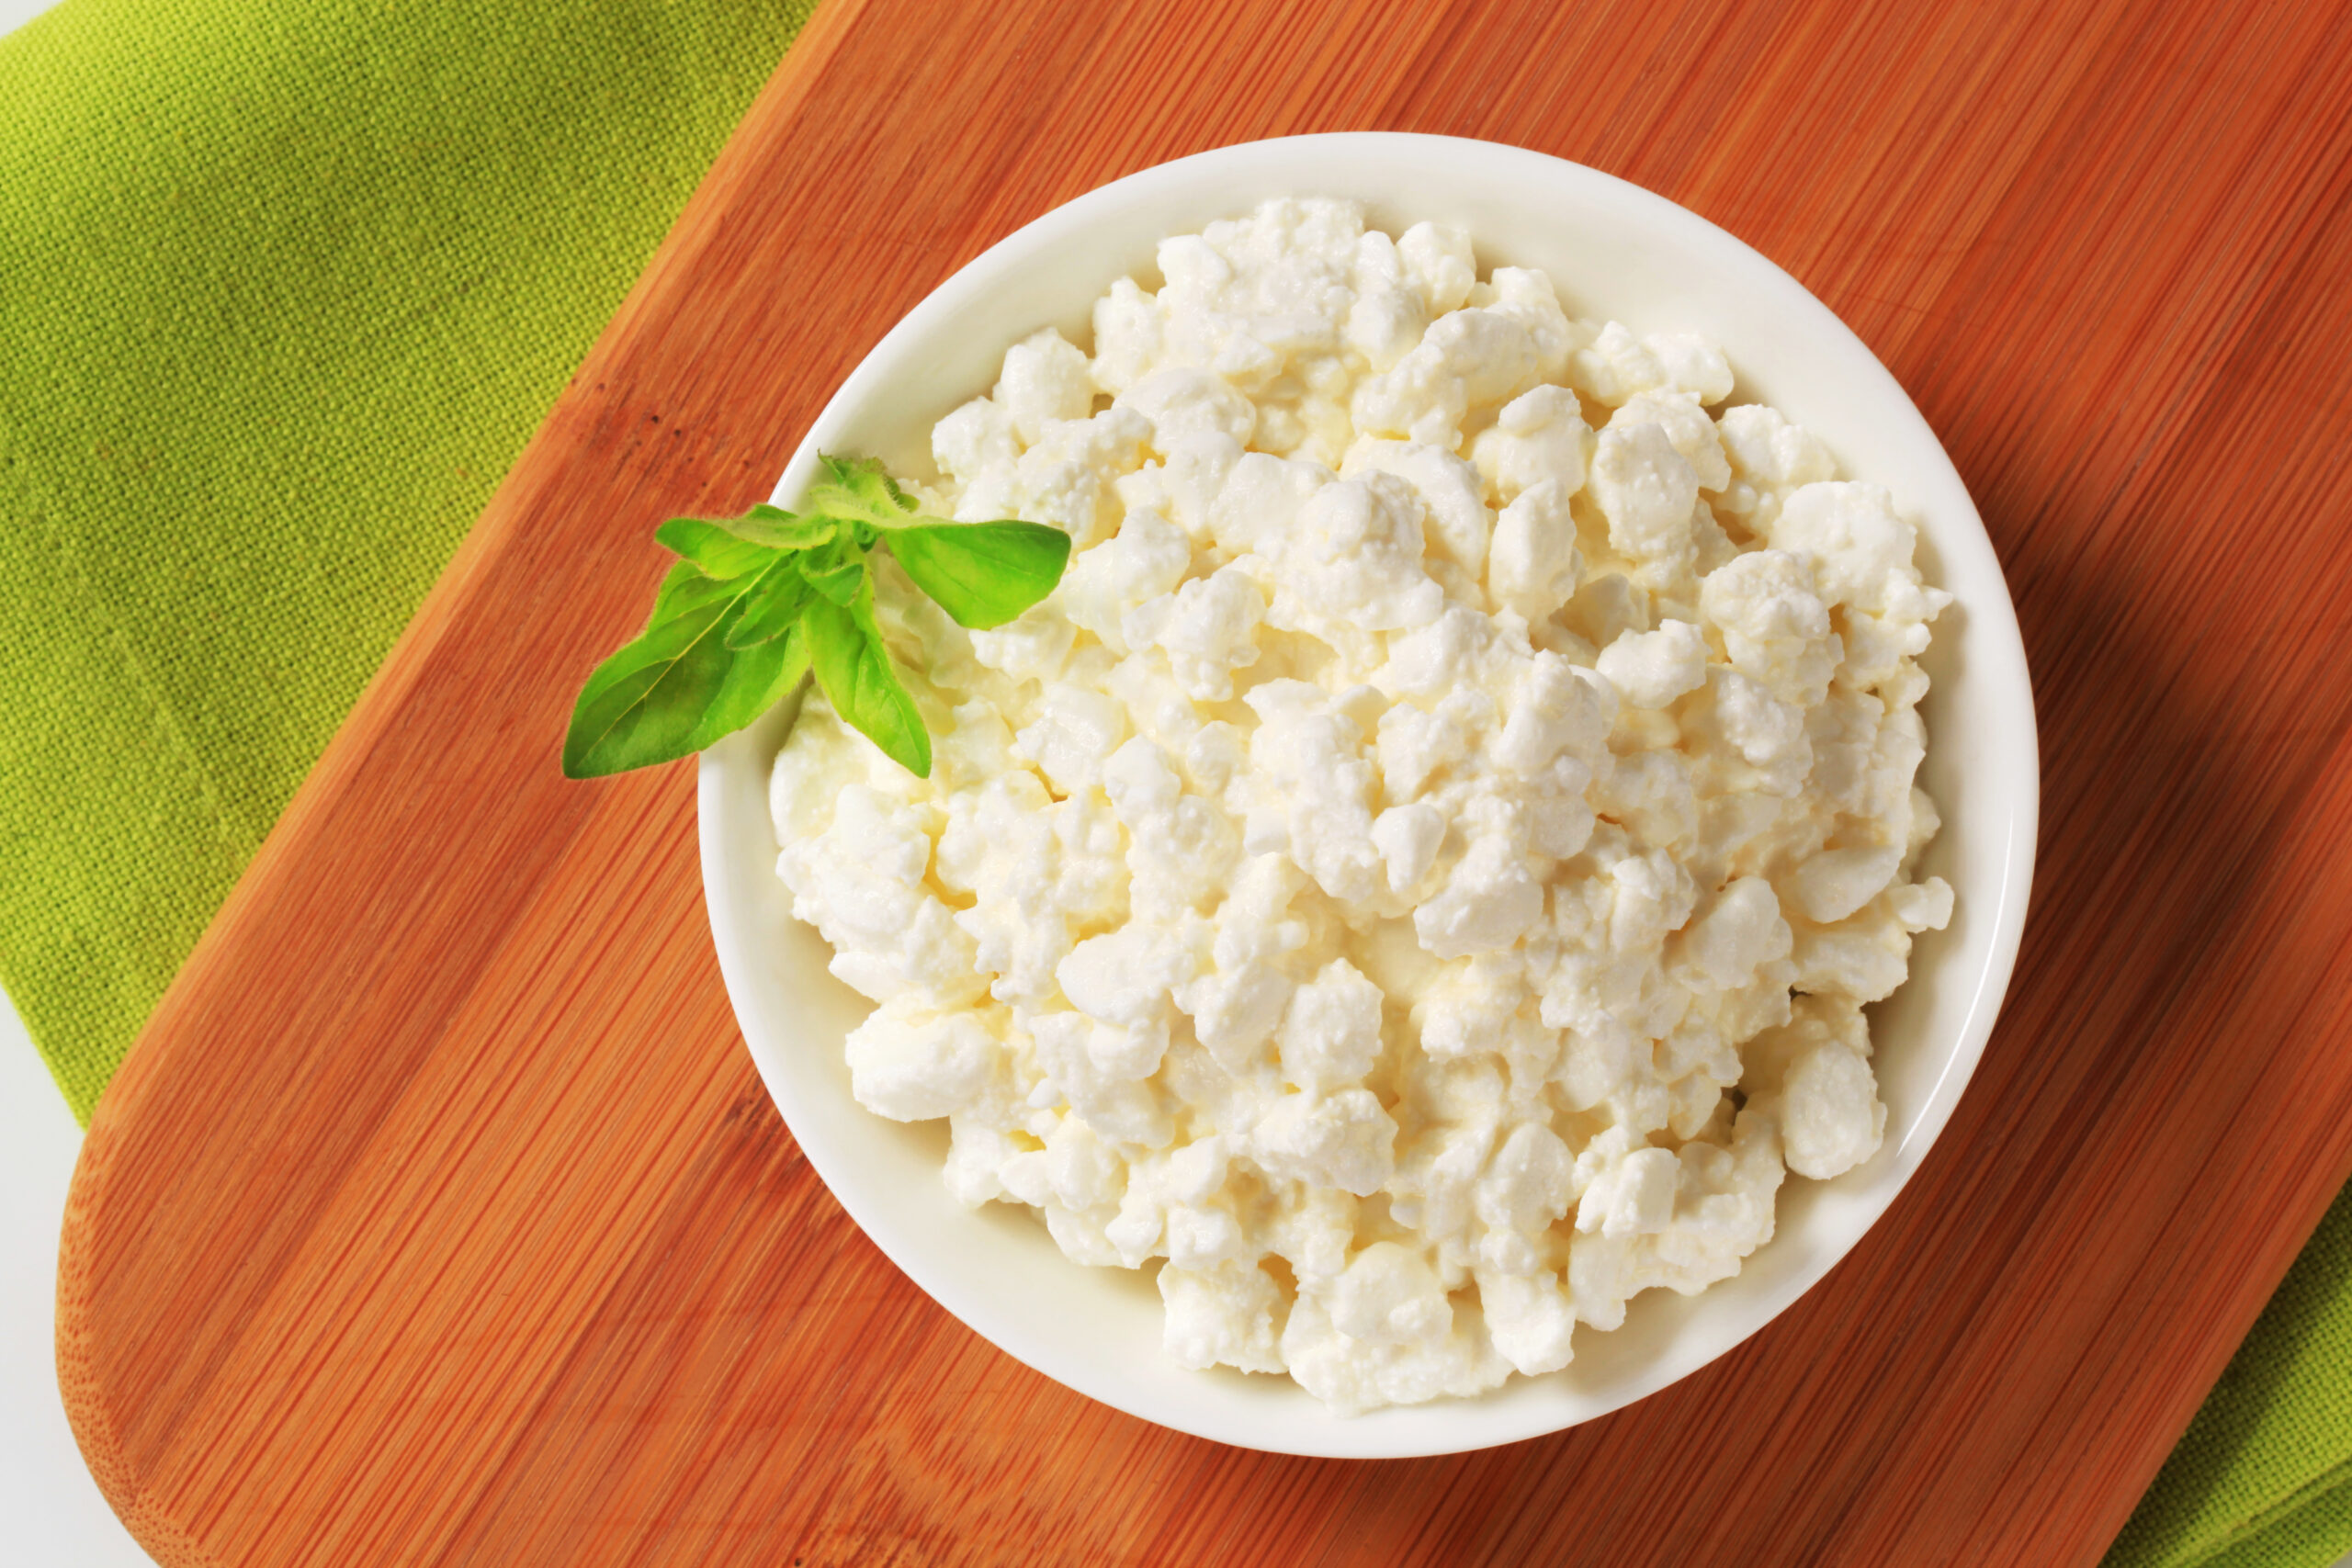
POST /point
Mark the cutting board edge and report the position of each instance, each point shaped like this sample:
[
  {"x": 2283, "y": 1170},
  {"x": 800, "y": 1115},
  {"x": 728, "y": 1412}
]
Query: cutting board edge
[{"x": 89, "y": 1406}]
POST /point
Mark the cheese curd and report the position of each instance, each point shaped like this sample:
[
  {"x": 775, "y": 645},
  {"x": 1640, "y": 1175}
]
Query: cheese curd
[{"x": 1419, "y": 878}]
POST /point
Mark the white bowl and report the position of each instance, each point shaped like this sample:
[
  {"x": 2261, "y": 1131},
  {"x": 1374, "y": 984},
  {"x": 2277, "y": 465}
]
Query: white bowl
[{"x": 1614, "y": 250}]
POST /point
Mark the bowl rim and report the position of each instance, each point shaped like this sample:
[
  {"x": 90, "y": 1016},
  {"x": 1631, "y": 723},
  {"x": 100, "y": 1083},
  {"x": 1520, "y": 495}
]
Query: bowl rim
[{"x": 1994, "y": 639}]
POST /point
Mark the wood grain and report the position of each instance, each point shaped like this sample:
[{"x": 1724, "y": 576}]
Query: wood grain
[{"x": 438, "y": 1217}]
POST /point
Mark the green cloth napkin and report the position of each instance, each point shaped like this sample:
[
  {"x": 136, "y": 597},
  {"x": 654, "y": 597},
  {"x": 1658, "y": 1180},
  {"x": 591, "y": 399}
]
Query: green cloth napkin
[
  {"x": 285, "y": 284},
  {"x": 2263, "y": 1477}
]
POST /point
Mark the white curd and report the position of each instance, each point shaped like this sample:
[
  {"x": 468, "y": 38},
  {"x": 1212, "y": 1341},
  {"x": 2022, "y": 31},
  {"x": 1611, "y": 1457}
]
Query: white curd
[{"x": 1420, "y": 877}]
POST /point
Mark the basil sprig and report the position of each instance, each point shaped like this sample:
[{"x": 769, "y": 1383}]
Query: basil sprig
[{"x": 757, "y": 602}]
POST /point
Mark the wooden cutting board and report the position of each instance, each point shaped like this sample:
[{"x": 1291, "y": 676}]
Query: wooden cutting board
[{"x": 438, "y": 1217}]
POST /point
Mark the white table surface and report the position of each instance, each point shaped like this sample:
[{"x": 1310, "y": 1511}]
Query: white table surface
[{"x": 51, "y": 1513}]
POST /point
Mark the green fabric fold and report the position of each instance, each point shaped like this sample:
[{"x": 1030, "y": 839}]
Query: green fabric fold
[
  {"x": 2263, "y": 1476},
  {"x": 285, "y": 284}
]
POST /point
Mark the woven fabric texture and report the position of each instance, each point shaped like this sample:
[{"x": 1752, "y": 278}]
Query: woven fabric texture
[
  {"x": 285, "y": 285},
  {"x": 2263, "y": 1477}
]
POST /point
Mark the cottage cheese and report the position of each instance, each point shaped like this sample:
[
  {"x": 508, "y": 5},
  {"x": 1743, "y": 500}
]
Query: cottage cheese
[{"x": 1419, "y": 878}]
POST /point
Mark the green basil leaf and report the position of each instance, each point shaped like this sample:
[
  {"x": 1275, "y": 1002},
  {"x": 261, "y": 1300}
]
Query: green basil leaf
[
  {"x": 984, "y": 574},
  {"x": 781, "y": 530},
  {"x": 845, "y": 650},
  {"x": 838, "y": 572},
  {"x": 756, "y": 604},
  {"x": 642, "y": 704},
  {"x": 856, "y": 489},
  {"x": 686, "y": 591},
  {"x": 714, "y": 547},
  {"x": 773, "y": 605},
  {"x": 759, "y": 678},
  {"x": 681, "y": 685}
]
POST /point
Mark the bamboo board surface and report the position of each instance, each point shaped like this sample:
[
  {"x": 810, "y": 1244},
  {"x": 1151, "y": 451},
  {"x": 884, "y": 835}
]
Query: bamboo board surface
[{"x": 439, "y": 1218}]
